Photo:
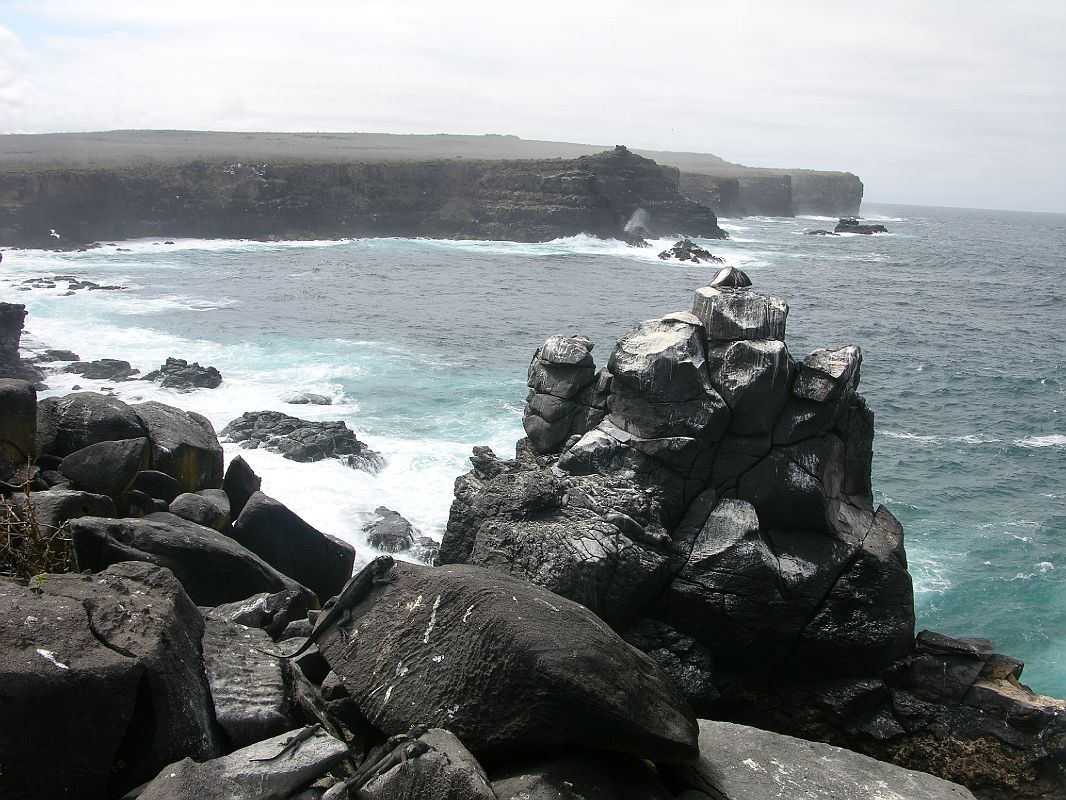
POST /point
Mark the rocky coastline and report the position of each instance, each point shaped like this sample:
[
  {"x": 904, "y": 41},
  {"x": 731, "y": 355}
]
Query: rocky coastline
[{"x": 679, "y": 587}]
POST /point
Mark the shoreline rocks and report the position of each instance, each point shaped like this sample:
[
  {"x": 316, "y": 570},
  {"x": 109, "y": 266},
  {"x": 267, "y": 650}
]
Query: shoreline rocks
[
  {"x": 852, "y": 225},
  {"x": 301, "y": 440}
]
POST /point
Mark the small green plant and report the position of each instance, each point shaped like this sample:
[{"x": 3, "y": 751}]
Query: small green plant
[{"x": 28, "y": 549}]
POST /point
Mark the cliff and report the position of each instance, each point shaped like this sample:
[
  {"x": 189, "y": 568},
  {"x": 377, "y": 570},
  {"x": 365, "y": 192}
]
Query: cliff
[
  {"x": 175, "y": 183},
  {"x": 528, "y": 200}
]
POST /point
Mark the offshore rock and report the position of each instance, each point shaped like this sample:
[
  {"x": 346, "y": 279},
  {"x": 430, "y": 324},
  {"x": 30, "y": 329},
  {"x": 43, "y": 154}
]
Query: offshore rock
[
  {"x": 104, "y": 369},
  {"x": 301, "y": 440},
  {"x": 179, "y": 374},
  {"x": 547, "y": 672},
  {"x": 686, "y": 250},
  {"x": 852, "y": 225}
]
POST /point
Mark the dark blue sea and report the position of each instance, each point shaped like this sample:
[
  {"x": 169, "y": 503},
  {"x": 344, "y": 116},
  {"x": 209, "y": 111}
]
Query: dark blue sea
[{"x": 423, "y": 346}]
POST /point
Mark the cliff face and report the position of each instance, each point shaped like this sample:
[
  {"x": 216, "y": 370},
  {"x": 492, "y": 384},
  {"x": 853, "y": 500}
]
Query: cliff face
[
  {"x": 529, "y": 200},
  {"x": 738, "y": 192}
]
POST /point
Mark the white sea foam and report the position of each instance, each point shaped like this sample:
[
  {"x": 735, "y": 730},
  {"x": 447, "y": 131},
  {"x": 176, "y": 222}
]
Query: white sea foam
[{"x": 1050, "y": 440}]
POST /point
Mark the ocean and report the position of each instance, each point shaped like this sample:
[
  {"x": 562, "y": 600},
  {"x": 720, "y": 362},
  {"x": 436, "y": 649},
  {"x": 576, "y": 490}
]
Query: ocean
[{"x": 423, "y": 347}]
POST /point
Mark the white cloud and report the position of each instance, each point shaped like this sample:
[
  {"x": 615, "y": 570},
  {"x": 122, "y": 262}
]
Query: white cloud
[{"x": 889, "y": 91}]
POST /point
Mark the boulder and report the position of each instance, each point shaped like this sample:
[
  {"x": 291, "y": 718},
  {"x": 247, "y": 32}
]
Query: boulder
[
  {"x": 660, "y": 386},
  {"x": 549, "y": 672},
  {"x": 271, "y": 612},
  {"x": 18, "y": 424},
  {"x": 54, "y": 507},
  {"x": 729, "y": 314},
  {"x": 213, "y": 568},
  {"x": 301, "y": 440},
  {"x": 248, "y": 687},
  {"x": 265, "y": 770},
  {"x": 753, "y": 377},
  {"x": 731, "y": 277},
  {"x": 578, "y": 776},
  {"x": 567, "y": 396},
  {"x": 594, "y": 539},
  {"x": 184, "y": 445},
  {"x": 306, "y": 398},
  {"x": 687, "y": 250},
  {"x": 201, "y": 510},
  {"x": 436, "y": 765},
  {"x": 741, "y": 763},
  {"x": 141, "y": 611},
  {"x": 239, "y": 484},
  {"x": 68, "y": 698},
  {"x": 390, "y": 532},
  {"x": 269, "y": 529},
  {"x": 107, "y": 468},
  {"x": 67, "y": 424},
  {"x": 179, "y": 374},
  {"x": 157, "y": 484},
  {"x": 826, "y": 375},
  {"x": 104, "y": 369}
]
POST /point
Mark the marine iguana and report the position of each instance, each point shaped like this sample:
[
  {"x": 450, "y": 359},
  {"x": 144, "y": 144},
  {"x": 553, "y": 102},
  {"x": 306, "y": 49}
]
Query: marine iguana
[
  {"x": 292, "y": 743},
  {"x": 397, "y": 750},
  {"x": 377, "y": 573}
]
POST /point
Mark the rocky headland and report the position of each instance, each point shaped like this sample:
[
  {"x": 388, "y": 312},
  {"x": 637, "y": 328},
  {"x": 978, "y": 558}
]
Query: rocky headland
[
  {"x": 70, "y": 190},
  {"x": 679, "y": 587}
]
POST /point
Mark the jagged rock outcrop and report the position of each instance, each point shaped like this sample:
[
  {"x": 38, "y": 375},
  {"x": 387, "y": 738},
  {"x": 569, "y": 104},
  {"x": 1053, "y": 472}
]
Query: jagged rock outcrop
[
  {"x": 12, "y": 317},
  {"x": 721, "y": 517},
  {"x": 687, "y": 250}
]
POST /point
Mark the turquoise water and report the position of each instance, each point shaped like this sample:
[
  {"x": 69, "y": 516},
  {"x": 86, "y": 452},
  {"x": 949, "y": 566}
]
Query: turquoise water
[{"x": 424, "y": 345}]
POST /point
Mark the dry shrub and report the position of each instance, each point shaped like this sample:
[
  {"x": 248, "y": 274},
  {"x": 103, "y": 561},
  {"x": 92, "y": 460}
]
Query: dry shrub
[{"x": 27, "y": 548}]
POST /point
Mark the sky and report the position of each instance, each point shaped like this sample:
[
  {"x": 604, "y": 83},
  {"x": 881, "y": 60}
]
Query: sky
[{"x": 935, "y": 102}]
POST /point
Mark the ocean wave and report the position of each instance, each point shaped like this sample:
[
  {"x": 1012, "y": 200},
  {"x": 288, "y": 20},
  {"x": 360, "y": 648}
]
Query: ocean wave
[{"x": 928, "y": 438}]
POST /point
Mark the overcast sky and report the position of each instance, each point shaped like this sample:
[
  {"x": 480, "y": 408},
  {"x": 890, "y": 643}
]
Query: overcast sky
[{"x": 936, "y": 102}]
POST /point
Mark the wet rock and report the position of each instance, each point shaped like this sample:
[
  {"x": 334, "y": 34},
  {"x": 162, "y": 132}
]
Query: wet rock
[
  {"x": 391, "y": 533},
  {"x": 179, "y": 374},
  {"x": 820, "y": 233},
  {"x": 550, "y": 672},
  {"x": 730, "y": 277},
  {"x": 104, "y": 369},
  {"x": 567, "y": 396},
  {"x": 301, "y": 440},
  {"x": 687, "y": 250},
  {"x": 306, "y": 398}
]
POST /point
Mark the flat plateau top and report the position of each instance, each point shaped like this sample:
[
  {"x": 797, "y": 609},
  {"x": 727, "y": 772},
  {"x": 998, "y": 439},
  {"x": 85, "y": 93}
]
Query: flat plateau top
[{"x": 30, "y": 152}]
